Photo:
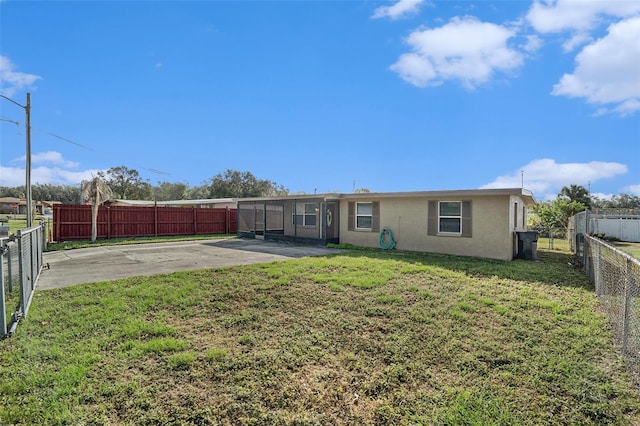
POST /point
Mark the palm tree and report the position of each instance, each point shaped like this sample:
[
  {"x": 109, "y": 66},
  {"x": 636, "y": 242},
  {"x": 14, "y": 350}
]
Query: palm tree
[
  {"x": 576, "y": 193},
  {"x": 96, "y": 191}
]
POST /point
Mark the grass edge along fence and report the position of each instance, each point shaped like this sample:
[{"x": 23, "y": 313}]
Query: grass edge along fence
[
  {"x": 616, "y": 277},
  {"x": 21, "y": 264}
]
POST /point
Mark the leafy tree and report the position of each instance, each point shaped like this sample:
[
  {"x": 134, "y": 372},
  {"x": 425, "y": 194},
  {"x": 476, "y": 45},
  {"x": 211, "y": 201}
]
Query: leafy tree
[
  {"x": 198, "y": 193},
  {"x": 576, "y": 193},
  {"x": 66, "y": 194},
  {"x": 97, "y": 191},
  {"x": 166, "y": 191},
  {"x": 622, "y": 201},
  {"x": 361, "y": 191},
  {"x": 236, "y": 184},
  {"x": 555, "y": 214},
  {"x": 69, "y": 195},
  {"x": 126, "y": 183},
  {"x": 16, "y": 192}
]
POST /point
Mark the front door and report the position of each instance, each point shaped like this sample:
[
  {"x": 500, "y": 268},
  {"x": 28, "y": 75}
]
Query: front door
[{"x": 332, "y": 222}]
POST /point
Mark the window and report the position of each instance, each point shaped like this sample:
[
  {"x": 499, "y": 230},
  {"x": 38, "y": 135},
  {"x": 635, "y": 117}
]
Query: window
[
  {"x": 364, "y": 215},
  {"x": 305, "y": 214},
  {"x": 450, "y": 217}
]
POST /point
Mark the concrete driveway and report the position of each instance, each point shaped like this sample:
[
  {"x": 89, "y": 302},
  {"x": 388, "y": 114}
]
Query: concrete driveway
[{"x": 79, "y": 266}]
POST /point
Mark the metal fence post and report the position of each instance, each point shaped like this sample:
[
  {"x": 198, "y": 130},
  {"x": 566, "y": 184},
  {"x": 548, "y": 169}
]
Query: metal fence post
[
  {"x": 32, "y": 261},
  {"x": 627, "y": 306},
  {"x": 21, "y": 270},
  {"x": 9, "y": 270},
  {"x": 3, "y": 308}
]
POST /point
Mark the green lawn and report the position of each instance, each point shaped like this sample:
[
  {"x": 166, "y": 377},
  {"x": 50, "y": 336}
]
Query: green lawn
[
  {"x": 365, "y": 337},
  {"x": 19, "y": 222},
  {"x": 630, "y": 248}
]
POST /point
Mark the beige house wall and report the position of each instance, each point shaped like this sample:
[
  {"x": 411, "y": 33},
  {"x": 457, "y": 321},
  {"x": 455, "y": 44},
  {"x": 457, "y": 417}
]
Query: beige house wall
[
  {"x": 492, "y": 220},
  {"x": 518, "y": 212}
]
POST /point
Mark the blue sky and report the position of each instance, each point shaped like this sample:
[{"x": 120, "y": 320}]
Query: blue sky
[{"x": 327, "y": 95}]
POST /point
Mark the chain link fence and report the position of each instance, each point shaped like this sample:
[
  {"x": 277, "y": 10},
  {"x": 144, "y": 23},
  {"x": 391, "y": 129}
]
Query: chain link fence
[
  {"x": 19, "y": 271},
  {"x": 616, "y": 276}
]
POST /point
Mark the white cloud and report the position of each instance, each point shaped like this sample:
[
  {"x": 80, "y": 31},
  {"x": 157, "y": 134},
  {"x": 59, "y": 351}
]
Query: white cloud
[
  {"x": 577, "y": 15},
  {"x": 633, "y": 190},
  {"x": 12, "y": 80},
  {"x": 15, "y": 176},
  {"x": 416, "y": 69},
  {"x": 546, "y": 177},
  {"x": 49, "y": 157},
  {"x": 47, "y": 167},
  {"x": 575, "y": 41},
  {"x": 465, "y": 49},
  {"x": 12, "y": 176},
  {"x": 401, "y": 9},
  {"x": 608, "y": 70},
  {"x": 52, "y": 157},
  {"x": 533, "y": 44}
]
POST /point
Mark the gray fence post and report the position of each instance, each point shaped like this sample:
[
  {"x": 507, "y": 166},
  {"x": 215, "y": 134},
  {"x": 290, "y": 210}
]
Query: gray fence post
[
  {"x": 9, "y": 270},
  {"x": 3, "y": 307},
  {"x": 628, "y": 297},
  {"x": 21, "y": 270}
]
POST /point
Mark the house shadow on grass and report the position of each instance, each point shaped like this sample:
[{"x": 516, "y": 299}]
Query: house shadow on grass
[{"x": 552, "y": 268}]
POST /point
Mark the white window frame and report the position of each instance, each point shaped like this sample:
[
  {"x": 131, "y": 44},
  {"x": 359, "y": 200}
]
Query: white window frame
[
  {"x": 301, "y": 210},
  {"x": 370, "y": 215},
  {"x": 440, "y": 217}
]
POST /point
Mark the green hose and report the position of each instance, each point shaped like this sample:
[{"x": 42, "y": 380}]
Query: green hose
[{"x": 384, "y": 242}]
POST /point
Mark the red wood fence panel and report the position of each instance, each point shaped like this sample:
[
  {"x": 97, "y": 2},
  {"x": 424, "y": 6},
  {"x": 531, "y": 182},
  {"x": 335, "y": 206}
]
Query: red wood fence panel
[{"x": 73, "y": 222}]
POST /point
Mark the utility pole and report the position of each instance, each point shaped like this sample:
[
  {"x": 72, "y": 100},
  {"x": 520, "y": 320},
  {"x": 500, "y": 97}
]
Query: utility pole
[{"x": 27, "y": 110}]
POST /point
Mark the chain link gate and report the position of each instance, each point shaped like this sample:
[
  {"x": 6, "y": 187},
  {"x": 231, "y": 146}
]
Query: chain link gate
[{"x": 22, "y": 261}]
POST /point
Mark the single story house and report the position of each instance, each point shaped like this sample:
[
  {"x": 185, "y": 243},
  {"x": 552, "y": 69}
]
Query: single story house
[
  {"x": 12, "y": 205},
  {"x": 477, "y": 222}
]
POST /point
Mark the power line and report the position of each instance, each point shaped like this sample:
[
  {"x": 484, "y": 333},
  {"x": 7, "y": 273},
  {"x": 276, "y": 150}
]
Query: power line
[
  {"x": 64, "y": 139},
  {"x": 17, "y": 123},
  {"x": 160, "y": 172}
]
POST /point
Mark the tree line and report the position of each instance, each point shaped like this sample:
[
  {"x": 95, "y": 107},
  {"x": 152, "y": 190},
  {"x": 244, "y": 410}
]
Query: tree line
[
  {"x": 127, "y": 184},
  {"x": 554, "y": 215}
]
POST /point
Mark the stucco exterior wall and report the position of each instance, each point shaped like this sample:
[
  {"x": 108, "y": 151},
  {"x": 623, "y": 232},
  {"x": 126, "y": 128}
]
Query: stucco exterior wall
[
  {"x": 518, "y": 212},
  {"x": 491, "y": 218}
]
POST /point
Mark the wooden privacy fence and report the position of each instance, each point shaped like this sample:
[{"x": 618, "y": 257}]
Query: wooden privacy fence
[{"x": 73, "y": 222}]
